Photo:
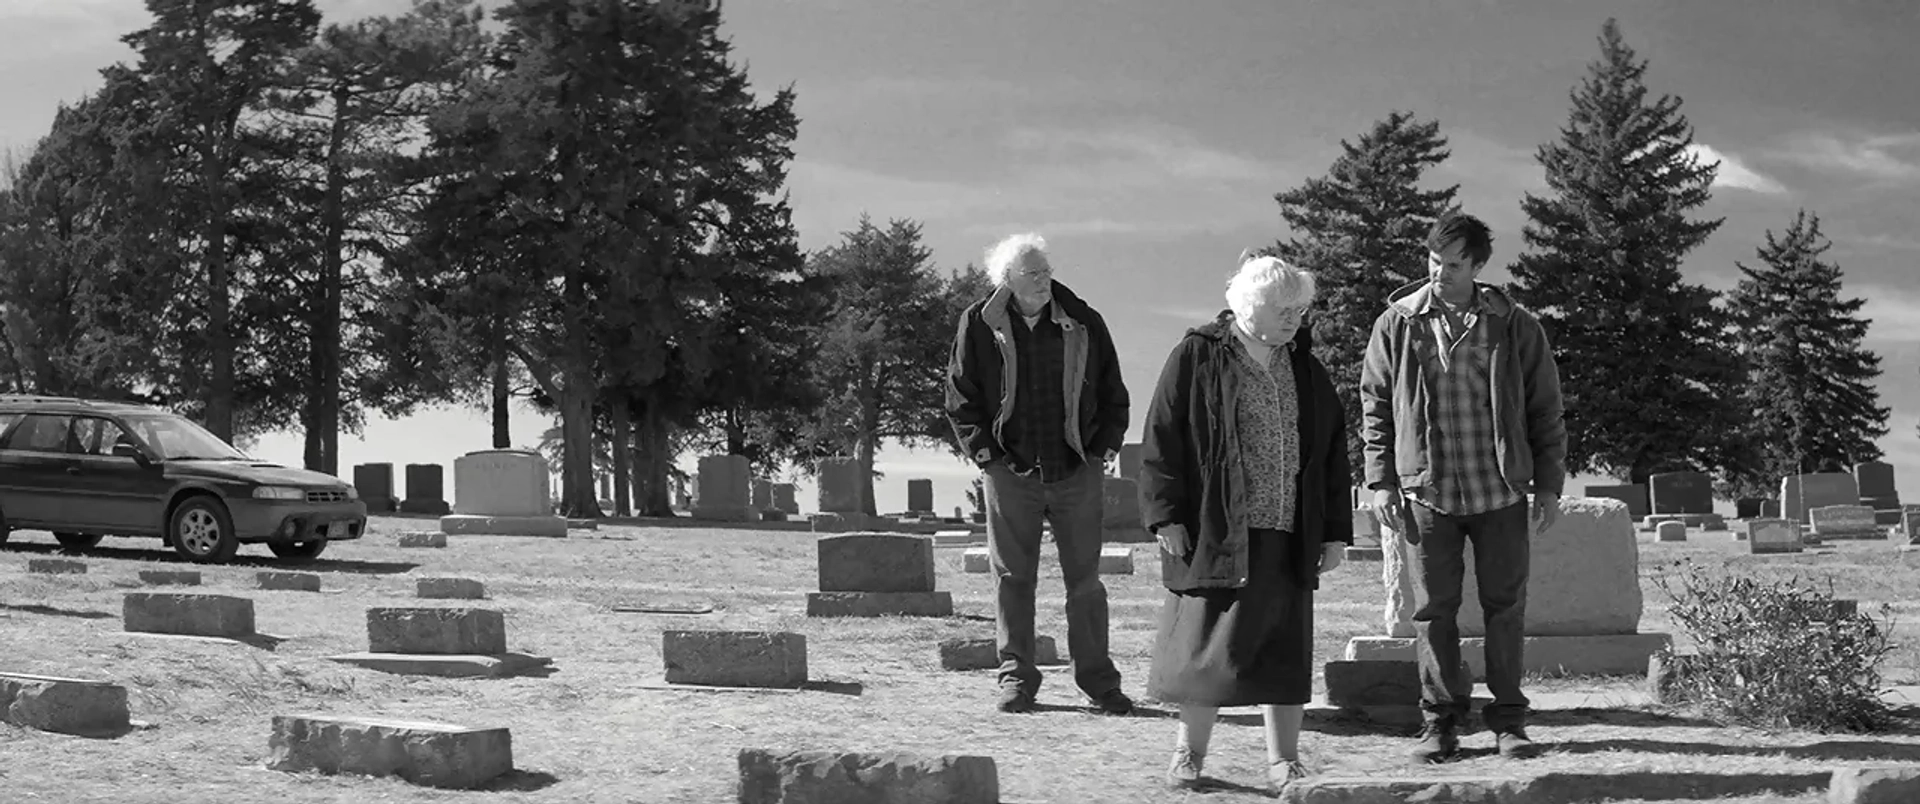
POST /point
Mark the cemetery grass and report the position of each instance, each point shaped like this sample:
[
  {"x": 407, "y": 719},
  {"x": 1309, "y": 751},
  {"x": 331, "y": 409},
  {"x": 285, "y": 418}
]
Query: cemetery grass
[{"x": 600, "y": 729}]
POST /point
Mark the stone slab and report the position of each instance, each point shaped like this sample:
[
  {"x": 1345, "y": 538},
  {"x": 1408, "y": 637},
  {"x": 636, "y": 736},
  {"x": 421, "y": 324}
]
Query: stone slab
[
  {"x": 1910, "y": 522},
  {"x": 1130, "y": 461},
  {"x": 1707, "y": 522},
  {"x": 548, "y": 525},
  {"x": 1366, "y": 526},
  {"x": 55, "y": 566},
  {"x": 875, "y": 562},
  {"x": 1584, "y": 579},
  {"x": 879, "y": 604},
  {"x": 1773, "y": 536},
  {"x": 170, "y": 577},
  {"x": 1680, "y": 493},
  {"x": 1887, "y": 784},
  {"x": 1120, "y": 505},
  {"x": 436, "y": 631},
  {"x": 440, "y": 755},
  {"x": 1801, "y": 492},
  {"x": 1633, "y": 494},
  {"x": 735, "y": 658},
  {"x": 446, "y": 665},
  {"x": 1372, "y": 683},
  {"x": 840, "y": 486},
  {"x": 188, "y": 614},
  {"x": 976, "y": 560},
  {"x": 1116, "y": 560},
  {"x": 63, "y": 705},
  {"x": 423, "y": 538},
  {"x": 843, "y": 522},
  {"x": 508, "y": 483},
  {"x": 958, "y": 538},
  {"x": 770, "y": 776},
  {"x": 1365, "y": 553},
  {"x": 1874, "y": 479},
  {"x": 1599, "y": 655},
  {"x": 983, "y": 653},
  {"x": 428, "y": 507},
  {"x": 1845, "y": 521},
  {"x": 1671, "y": 531},
  {"x": 450, "y": 589},
  {"x": 288, "y": 581}
]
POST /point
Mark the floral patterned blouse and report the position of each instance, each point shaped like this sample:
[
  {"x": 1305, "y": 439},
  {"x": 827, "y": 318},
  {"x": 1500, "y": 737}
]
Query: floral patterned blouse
[{"x": 1268, "y": 421}]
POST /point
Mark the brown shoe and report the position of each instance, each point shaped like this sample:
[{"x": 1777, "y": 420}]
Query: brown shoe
[
  {"x": 1514, "y": 744},
  {"x": 1114, "y": 702},
  {"x": 1015, "y": 700},
  {"x": 1184, "y": 772},
  {"x": 1438, "y": 743},
  {"x": 1283, "y": 773}
]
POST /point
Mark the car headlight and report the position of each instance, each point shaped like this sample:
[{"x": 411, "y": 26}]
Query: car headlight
[
  {"x": 353, "y": 493},
  {"x": 278, "y": 493}
]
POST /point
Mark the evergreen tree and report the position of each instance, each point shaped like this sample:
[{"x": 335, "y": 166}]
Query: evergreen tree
[
  {"x": 1362, "y": 230},
  {"x": 1650, "y": 378},
  {"x": 1810, "y": 382}
]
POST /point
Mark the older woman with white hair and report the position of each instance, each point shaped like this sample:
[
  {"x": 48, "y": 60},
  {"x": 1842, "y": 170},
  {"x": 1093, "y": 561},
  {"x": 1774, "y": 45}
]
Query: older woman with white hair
[{"x": 1244, "y": 481}]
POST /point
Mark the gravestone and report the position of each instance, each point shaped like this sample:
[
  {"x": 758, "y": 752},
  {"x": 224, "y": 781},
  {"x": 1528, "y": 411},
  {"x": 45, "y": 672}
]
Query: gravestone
[
  {"x": 428, "y": 754},
  {"x": 920, "y": 496},
  {"x": 1801, "y": 492},
  {"x": 785, "y": 499},
  {"x": 1773, "y": 536},
  {"x": 1583, "y": 603},
  {"x": 502, "y": 492},
  {"x": 1366, "y": 526},
  {"x": 724, "y": 491},
  {"x": 875, "y": 575},
  {"x": 1633, "y": 494},
  {"x": 1874, "y": 479},
  {"x": 1748, "y": 507},
  {"x": 288, "y": 581},
  {"x": 422, "y": 538},
  {"x": 1130, "y": 461},
  {"x": 1680, "y": 493},
  {"x": 1366, "y": 552},
  {"x": 735, "y": 658},
  {"x": 436, "y": 631},
  {"x": 450, "y": 589},
  {"x": 1770, "y": 508},
  {"x": 1910, "y": 523},
  {"x": 63, "y": 705},
  {"x": 188, "y": 615},
  {"x": 762, "y": 498},
  {"x": 793, "y": 777},
  {"x": 1845, "y": 522},
  {"x": 983, "y": 653},
  {"x": 1120, "y": 512},
  {"x": 374, "y": 482},
  {"x": 1361, "y": 684},
  {"x": 840, "y": 486},
  {"x": 55, "y": 566},
  {"x": 976, "y": 560},
  {"x": 426, "y": 490},
  {"x": 1671, "y": 531},
  {"x": 1116, "y": 559},
  {"x": 170, "y": 577}
]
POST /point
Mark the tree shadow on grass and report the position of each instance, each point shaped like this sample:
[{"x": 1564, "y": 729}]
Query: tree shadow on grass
[
  {"x": 55, "y": 611},
  {"x": 1637, "y": 718},
  {"x": 1828, "y": 750},
  {"x": 521, "y": 781},
  {"x": 163, "y": 555}
]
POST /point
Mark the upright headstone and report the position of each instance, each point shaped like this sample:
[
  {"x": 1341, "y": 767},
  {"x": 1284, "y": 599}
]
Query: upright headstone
[
  {"x": 1748, "y": 507},
  {"x": 374, "y": 482},
  {"x": 63, "y": 705},
  {"x": 762, "y": 498},
  {"x": 1680, "y": 493},
  {"x": 1130, "y": 461},
  {"x": 1874, "y": 479},
  {"x": 190, "y": 615},
  {"x": 840, "y": 486},
  {"x": 724, "y": 490},
  {"x": 785, "y": 499},
  {"x": 1671, "y": 531},
  {"x": 877, "y": 574},
  {"x": 1773, "y": 536},
  {"x": 1120, "y": 515},
  {"x": 920, "y": 496},
  {"x": 503, "y": 492},
  {"x": 1845, "y": 522},
  {"x": 735, "y": 658},
  {"x": 1801, "y": 492},
  {"x": 1366, "y": 527},
  {"x": 426, "y": 490},
  {"x": 1633, "y": 494},
  {"x": 1583, "y": 604},
  {"x": 1910, "y": 523}
]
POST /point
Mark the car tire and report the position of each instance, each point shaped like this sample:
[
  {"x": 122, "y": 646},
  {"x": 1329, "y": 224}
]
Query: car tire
[
  {"x": 4, "y": 530},
  {"x": 298, "y": 551},
  {"x": 77, "y": 541},
  {"x": 203, "y": 531}
]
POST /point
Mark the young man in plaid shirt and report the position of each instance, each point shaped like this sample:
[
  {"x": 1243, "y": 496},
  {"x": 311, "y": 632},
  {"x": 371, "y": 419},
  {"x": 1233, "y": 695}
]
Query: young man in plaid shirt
[{"x": 1461, "y": 415}]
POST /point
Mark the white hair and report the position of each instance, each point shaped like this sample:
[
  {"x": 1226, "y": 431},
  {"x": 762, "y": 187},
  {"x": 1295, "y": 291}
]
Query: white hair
[
  {"x": 1269, "y": 281},
  {"x": 1010, "y": 250}
]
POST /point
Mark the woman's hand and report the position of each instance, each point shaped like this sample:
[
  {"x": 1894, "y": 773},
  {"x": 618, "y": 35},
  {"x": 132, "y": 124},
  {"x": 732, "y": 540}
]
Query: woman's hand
[
  {"x": 1331, "y": 554},
  {"x": 1173, "y": 539}
]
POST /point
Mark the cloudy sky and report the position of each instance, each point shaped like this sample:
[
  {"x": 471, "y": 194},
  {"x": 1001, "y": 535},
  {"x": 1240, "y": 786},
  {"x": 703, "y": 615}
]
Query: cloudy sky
[{"x": 1145, "y": 139}]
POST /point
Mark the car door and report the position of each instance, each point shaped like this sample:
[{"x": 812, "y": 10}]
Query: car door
[
  {"x": 125, "y": 497},
  {"x": 38, "y": 487}
]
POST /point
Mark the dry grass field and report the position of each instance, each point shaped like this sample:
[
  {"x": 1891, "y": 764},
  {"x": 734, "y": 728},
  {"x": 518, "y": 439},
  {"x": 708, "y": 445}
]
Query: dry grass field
[{"x": 601, "y": 729}]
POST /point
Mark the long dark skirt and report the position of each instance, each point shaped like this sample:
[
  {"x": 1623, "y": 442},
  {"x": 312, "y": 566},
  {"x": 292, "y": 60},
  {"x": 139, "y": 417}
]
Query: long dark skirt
[{"x": 1237, "y": 647}]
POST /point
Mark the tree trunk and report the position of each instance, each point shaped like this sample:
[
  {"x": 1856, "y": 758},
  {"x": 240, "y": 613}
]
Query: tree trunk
[
  {"x": 865, "y": 444},
  {"x": 653, "y": 495},
  {"x": 577, "y": 498},
  {"x": 502, "y": 391},
  {"x": 219, "y": 297},
  {"x": 326, "y": 334},
  {"x": 622, "y": 442}
]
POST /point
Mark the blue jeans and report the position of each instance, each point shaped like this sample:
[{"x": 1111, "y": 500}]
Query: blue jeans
[
  {"x": 1502, "y": 542},
  {"x": 1016, "y": 506}
]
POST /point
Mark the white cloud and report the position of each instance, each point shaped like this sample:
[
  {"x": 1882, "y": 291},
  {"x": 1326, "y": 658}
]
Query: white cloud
[
  {"x": 1733, "y": 173},
  {"x": 1895, "y": 313},
  {"x": 1892, "y": 158}
]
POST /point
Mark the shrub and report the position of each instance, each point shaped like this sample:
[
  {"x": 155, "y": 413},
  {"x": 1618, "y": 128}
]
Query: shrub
[{"x": 1779, "y": 654}]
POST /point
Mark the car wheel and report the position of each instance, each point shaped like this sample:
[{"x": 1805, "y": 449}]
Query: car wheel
[
  {"x": 203, "y": 532},
  {"x": 4, "y": 530},
  {"x": 298, "y": 551},
  {"x": 76, "y": 541}
]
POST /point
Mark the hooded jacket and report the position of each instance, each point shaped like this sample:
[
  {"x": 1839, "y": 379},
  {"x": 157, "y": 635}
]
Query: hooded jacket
[
  {"x": 982, "y": 373},
  {"x": 1530, "y": 437},
  {"x": 1191, "y": 469}
]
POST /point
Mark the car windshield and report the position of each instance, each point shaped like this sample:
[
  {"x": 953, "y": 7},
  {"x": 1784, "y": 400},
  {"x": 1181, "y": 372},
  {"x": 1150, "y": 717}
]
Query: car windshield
[{"x": 176, "y": 438}]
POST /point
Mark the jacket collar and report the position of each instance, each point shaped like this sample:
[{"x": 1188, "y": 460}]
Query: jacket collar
[
  {"x": 1416, "y": 299},
  {"x": 997, "y": 311}
]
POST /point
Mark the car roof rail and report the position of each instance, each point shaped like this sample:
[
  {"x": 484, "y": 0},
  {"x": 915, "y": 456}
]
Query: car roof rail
[{"x": 40, "y": 398}]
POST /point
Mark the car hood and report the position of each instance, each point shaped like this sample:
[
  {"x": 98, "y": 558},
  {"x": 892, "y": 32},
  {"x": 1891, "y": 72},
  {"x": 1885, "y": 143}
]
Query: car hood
[{"x": 252, "y": 472}]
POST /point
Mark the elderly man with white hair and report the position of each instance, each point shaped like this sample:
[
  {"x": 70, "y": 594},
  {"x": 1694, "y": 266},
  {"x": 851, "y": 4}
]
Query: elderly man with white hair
[
  {"x": 1244, "y": 482},
  {"x": 1035, "y": 397}
]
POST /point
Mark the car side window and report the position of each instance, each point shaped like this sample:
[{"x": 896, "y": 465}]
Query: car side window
[
  {"x": 41, "y": 432},
  {"x": 7, "y": 420},
  {"x": 95, "y": 436}
]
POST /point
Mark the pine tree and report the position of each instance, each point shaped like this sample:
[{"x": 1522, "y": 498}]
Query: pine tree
[
  {"x": 1649, "y": 376},
  {"x": 1810, "y": 381},
  {"x": 1362, "y": 230}
]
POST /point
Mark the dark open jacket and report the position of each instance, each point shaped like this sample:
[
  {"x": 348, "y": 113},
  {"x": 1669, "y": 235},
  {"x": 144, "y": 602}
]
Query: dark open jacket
[
  {"x": 981, "y": 392},
  {"x": 1190, "y": 467}
]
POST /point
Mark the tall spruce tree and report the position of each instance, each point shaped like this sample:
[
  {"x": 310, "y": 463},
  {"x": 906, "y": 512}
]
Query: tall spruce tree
[
  {"x": 1650, "y": 378},
  {"x": 1810, "y": 386},
  {"x": 1362, "y": 230}
]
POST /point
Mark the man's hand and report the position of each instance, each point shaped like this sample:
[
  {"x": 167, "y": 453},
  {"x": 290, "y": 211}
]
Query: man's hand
[
  {"x": 1173, "y": 539},
  {"x": 1391, "y": 509},
  {"x": 1546, "y": 510},
  {"x": 1331, "y": 554}
]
